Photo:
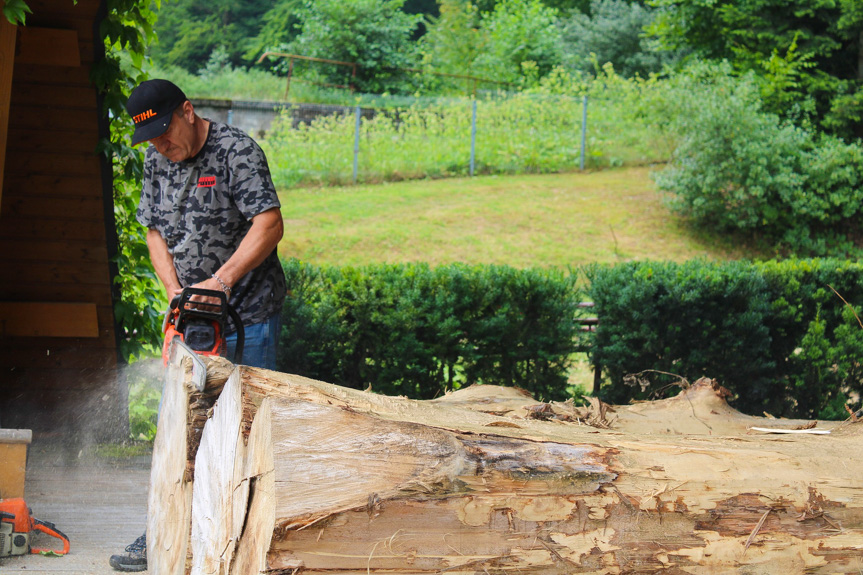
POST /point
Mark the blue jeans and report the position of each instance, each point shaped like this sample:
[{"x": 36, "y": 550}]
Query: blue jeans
[{"x": 259, "y": 349}]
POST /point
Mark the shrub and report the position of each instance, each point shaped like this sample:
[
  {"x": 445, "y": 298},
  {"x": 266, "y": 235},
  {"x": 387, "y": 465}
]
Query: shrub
[
  {"x": 739, "y": 168},
  {"x": 418, "y": 331},
  {"x": 690, "y": 320},
  {"x": 814, "y": 334},
  {"x": 775, "y": 333},
  {"x": 778, "y": 334}
]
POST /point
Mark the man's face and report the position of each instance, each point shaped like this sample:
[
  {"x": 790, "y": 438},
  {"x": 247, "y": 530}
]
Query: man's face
[{"x": 178, "y": 141}]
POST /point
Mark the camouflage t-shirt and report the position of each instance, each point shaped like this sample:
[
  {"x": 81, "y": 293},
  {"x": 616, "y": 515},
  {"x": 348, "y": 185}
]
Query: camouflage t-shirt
[{"x": 203, "y": 208}]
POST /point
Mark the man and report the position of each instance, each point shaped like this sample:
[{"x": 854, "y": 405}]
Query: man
[{"x": 213, "y": 222}]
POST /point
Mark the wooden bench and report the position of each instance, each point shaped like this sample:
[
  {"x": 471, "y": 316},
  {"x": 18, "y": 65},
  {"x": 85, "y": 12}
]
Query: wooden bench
[{"x": 589, "y": 324}]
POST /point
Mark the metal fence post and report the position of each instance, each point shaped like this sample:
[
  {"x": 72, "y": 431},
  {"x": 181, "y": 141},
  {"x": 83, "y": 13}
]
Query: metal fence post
[
  {"x": 583, "y": 131},
  {"x": 357, "y": 145},
  {"x": 473, "y": 139}
]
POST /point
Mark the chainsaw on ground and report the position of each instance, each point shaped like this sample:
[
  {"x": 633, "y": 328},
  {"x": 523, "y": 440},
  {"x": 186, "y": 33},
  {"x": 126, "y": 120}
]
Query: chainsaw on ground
[
  {"x": 17, "y": 525},
  {"x": 201, "y": 325}
]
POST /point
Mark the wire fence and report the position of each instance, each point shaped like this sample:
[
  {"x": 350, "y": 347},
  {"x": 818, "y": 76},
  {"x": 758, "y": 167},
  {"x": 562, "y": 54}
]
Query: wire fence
[{"x": 429, "y": 138}]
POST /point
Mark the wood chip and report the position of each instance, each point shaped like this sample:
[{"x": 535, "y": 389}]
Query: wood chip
[
  {"x": 809, "y": 425},
  {"x": 804, "y": 431},
  {"x": 756, "y": 530}
]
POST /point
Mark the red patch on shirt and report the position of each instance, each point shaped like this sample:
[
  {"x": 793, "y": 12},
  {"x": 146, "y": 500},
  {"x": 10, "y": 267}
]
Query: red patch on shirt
[{"x": 206, "y": 181}]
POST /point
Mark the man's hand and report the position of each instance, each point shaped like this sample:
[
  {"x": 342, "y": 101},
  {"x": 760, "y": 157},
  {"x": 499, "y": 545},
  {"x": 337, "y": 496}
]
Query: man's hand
[{"x": 209, "y": 284}]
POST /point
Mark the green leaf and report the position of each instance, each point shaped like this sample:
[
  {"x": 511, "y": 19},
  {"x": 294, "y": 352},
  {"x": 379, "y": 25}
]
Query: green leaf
[{"x": 16, "y": 11}]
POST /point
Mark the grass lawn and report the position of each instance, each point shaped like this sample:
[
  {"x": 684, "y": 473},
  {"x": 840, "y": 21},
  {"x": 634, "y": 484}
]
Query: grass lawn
[{"x": 537, "y": 220}]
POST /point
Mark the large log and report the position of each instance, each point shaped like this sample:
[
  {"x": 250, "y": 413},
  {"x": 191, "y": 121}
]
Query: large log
[
  {"x": 183, "y": 411},
  {"x": 295, "y": 475}
]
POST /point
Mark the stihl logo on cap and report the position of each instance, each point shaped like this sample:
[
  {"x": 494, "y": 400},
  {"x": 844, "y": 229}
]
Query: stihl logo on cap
[
  {"x": 206, "y": 181},
  {"x": 141, "y": 117}
]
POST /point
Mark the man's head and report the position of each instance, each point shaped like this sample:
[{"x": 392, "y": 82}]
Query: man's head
[
  {"x": 152, "y": 106},
  {"x": 164, "y": 117}
]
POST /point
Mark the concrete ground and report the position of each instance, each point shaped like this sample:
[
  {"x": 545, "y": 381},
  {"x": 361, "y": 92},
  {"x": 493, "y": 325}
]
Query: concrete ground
[{"x": 99, "y": 502}]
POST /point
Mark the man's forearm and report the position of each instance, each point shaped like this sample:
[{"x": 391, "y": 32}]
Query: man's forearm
[
  {"x": 260, "y": 241},
  {"x": 262, "y": 238},
  {"x": 163, "y": 263}
]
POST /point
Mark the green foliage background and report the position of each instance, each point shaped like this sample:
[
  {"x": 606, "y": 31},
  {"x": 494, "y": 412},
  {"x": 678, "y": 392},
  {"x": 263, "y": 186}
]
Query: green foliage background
[
  {"x": 806, "y": 51},
  {"x": 755, "y": 150}
]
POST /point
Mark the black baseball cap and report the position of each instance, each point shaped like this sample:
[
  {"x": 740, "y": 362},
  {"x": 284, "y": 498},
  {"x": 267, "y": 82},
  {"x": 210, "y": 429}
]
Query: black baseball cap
[{"x": 151, "y": 106}]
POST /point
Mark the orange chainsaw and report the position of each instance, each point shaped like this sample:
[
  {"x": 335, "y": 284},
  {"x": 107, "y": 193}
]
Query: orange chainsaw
[
  {"x": 17, "y": 524},
  {"x": 201, "y": 326}
]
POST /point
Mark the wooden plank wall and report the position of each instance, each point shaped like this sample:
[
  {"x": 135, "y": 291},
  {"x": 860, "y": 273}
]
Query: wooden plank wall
[
  {"x": 53, "y": 241},
  {"x": 7, "y": 63}
]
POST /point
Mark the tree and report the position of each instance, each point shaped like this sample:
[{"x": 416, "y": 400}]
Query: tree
[
  {"x": 515, "y": 38},
  {"x": 813, "y": 48},
  {"x": 291, "y": 474},
  {"x": 521, "y": 37},
  {"x": 374, "y": 34},
  {"x": 613, "y": 31},
  {"x": 281, "y": 25},
  {"x": 190, "y": 30},
  {"x": 426, "y": 9},
  {"x": 452, "y": 43},
  {"x": 563, "y": 6}
]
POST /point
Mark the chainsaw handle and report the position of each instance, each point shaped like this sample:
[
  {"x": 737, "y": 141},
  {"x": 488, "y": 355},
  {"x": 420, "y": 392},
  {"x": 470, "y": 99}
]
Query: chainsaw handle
[
  {"x": 51, "y": 530},
  {"x": 241, "y": 335}
]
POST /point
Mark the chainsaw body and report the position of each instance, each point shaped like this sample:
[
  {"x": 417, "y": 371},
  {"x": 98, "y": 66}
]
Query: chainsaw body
[
  {"x": 13, "y": 542},
  {"x": 17, "y": 525},
  {"x": 201, "y": 326}
]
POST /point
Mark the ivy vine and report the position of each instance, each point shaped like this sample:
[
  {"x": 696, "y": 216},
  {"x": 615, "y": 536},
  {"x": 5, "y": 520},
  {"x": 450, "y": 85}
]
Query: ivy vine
[
  {"x": 127, "y": 30},
  {"x": 16, "y": 11}
]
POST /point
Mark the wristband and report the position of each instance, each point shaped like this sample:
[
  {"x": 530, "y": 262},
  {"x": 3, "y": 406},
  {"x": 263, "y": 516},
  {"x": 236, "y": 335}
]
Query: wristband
[{"x": 225, "y": 287}]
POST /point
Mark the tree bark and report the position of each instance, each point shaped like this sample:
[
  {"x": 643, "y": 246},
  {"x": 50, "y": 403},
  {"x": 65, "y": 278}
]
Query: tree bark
[{"x": 295, "y": 475}]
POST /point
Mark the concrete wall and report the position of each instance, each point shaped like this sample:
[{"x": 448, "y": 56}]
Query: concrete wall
[{"x": 255, "y": 117}]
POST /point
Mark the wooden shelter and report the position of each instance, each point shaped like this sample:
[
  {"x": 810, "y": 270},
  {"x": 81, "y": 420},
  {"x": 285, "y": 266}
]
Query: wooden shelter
[{"x": 58, "y": 339}]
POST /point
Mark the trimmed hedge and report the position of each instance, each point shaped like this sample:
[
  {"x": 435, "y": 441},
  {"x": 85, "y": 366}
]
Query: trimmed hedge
[
  {"x": 774, "y": 333},
  {"x": 412, "y": 330}
]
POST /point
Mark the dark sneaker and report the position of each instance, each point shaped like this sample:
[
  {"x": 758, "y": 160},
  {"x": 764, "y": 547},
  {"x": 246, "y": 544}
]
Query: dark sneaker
[{"x": 135, "y": 558}]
